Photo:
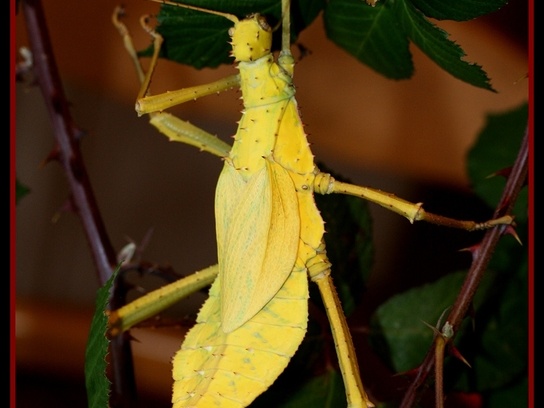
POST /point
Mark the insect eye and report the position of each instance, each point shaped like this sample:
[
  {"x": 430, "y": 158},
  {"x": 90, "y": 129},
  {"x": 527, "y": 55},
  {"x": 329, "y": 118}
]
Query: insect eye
[{"x": 263, "y": 23}]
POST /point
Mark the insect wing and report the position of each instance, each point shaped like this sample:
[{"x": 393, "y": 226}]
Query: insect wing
[{"x": 258, "y": 230}]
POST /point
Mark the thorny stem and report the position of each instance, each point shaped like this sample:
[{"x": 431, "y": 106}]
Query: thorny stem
[
  {"x": 65, "y": 131},
  {"x": 440, "y": 345},
  {"x": 481, "y": 258},
  {"x": 82, "y": 198}
]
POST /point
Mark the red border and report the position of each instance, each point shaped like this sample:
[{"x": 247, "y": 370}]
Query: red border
[
  {"x": 12, "y": 203},
  {"x": 531, "y": 209}
]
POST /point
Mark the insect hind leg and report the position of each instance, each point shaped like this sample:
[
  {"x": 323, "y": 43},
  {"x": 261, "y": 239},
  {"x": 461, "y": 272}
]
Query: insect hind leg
[{"x": 319, "y": 270}]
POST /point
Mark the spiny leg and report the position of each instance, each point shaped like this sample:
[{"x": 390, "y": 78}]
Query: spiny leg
[
  {"x": 326, "y": 184},
  {"x": 119, "y": 12},
  {"x": 147, "y": 103},
  {"x": 319, "y": 270},
  {"x": 157, "y": 103},
  {"x": 174, "y": 128},
  {"x": 158, "y": 300}
]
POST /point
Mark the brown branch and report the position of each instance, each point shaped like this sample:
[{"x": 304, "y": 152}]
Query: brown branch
[
  {"x": 82, "y": 198},
  {"x": 65, "y": 131},
  {"x": 481, "y": 258}
]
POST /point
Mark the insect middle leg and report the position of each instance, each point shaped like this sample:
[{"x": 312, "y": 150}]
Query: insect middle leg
[{"x": 326, "y": 184}]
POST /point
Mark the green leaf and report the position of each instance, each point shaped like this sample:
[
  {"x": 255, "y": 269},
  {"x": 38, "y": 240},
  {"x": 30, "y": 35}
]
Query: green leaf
[
  {"x": 514, "y": 395},
  {"x": 380, "y": 37},
  {"x": 325, "y": 390},
  {"x": 434, "y": 42},
  {"x": 398, "y": 332},
  {"x": 501, "y": 346},
  {"x": 459, "y": 10},
  {"x": 494, "y": 343},
  {"x": 500, "y": 359},
  {"x": 377, "y": 36},
  {"x": 96, "y": 381},
  {"x": 371, "y": 34},
  {"x": 495, "y": 149},
  {"x": 402, "y": 339},
  {"x": 201, "y": 40},
  {"x": 496, "y": 349},
  {"x": 20, "y": 191}
]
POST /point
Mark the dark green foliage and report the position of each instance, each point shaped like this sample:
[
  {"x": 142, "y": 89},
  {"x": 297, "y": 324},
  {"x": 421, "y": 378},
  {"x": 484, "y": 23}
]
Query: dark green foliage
[
  {"x": 97, "y": 383},
  {"x": 495, "y": 342},
  {"x": 20, "y": 191},
  {"x": 377, "y": 36}
]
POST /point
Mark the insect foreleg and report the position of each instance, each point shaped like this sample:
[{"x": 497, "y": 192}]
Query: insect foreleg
[
  {"x": 319, "y": 272},
  {"x": 174, "y": 128},
  {"x": 326, "y": 184},
  {"x": 157, "y": 103},
  {"x": 118, "y": 12}
]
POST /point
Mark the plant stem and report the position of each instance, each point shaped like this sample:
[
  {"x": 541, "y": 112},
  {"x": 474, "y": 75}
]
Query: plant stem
[
  {"x": 82, "y": 198},
  {"x": 481, "y": 257}
]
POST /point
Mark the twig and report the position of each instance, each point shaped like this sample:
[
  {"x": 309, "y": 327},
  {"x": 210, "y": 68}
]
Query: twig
[
  {"x": 481, "y": 258},
  {"x": 82, "y": 198}
]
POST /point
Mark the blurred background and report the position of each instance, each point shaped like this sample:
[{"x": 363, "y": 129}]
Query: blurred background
[{"x": 406, "y": 137}]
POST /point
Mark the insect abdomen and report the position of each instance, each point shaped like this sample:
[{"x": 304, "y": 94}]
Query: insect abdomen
[{"x": 217, "y": 369}]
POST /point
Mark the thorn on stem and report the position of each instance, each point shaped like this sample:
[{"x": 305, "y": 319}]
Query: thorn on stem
[
  {"x": 67, "y": 206},
  {"x": 457, "y": 354},
  {"x": 54, "y": 155},
  {"x": 505, "y": 172},
  {"x": 510, "y": 230},
  {"x": 474, "y": 250}
]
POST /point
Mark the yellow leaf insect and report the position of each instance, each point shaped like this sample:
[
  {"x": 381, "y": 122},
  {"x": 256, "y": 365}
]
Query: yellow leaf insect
[{"x": 269, "y": 231}]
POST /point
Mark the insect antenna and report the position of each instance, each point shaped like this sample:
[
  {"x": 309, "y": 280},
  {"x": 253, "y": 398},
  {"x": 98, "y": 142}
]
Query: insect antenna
[{"x": 228, "y": 16}]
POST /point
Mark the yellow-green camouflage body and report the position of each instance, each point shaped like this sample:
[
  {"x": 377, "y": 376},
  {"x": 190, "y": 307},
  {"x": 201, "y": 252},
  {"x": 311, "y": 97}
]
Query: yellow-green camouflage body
[{"x": 268, "y": 228}]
